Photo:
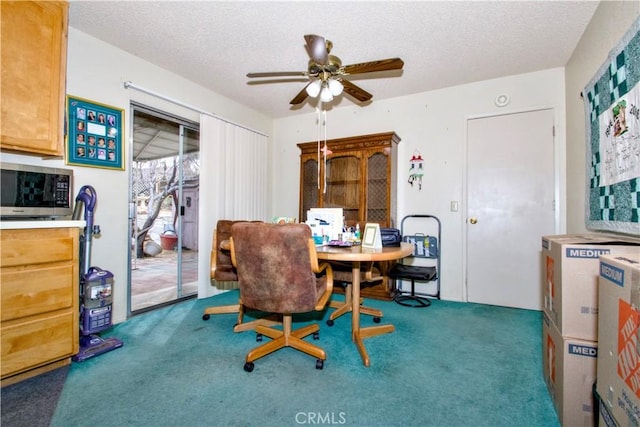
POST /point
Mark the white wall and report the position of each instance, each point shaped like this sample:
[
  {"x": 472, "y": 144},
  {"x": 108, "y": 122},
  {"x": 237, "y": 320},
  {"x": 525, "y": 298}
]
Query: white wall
[
  {"x": 434, "y": 123},
  {"x": 96, "y": 71},
  {"x": 610, "y": 22}
]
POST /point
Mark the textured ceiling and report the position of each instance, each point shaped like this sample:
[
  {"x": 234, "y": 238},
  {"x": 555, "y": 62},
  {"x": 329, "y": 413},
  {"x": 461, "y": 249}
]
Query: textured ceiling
[{"x": 443, "y": 44}]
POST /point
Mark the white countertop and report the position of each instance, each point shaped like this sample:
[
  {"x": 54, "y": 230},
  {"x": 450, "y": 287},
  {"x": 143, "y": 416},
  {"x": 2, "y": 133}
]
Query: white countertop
[{"x": 15, "y": 225}]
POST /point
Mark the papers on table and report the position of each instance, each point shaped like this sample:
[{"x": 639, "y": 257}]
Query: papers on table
[{"x": 326, "y": 222}]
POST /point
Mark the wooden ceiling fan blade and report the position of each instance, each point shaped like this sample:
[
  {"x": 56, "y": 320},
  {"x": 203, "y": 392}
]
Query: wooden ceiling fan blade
[
  {"x": 356, "y": 91},
  {"x": 269, "y": 81},
  {"x": 300, "y": 97},
  {"x": 369, "y": 67},
  {"x": 317, "y": 48},
  {"x": 278, "y": 74}
]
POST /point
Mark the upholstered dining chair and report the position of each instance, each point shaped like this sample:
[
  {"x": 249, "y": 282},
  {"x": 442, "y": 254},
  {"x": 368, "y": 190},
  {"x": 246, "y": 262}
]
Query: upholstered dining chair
[
  {"x": 342, "y": 273},
  {"x": 224, "y": 276},
  {"x": 278, "y": 272}
]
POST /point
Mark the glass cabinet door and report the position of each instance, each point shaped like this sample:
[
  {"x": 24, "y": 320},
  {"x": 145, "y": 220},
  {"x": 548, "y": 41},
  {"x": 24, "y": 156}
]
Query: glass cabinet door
[
  {"x": 309, "y": 187},
  {"x": 377, "y": 189},
  {"x": 343, "y": 175}
]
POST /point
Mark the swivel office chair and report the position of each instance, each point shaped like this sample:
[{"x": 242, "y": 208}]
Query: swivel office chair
[
  {"x": 225, "y": 277},
  {"x": 342, "y": 273},
  {"x": 277, "y": 268}
]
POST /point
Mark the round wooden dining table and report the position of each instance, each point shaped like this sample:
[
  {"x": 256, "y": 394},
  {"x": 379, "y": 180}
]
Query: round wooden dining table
[{"x": 356, "y": 255}]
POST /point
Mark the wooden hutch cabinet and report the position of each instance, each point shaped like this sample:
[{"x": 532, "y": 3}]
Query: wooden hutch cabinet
[
  {"x": 359, "y": 176},
  {"x": 34, "y": 61}
]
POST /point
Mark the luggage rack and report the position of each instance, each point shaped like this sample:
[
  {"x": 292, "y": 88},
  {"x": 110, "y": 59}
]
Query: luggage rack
[{"x": 424, "y": 246}]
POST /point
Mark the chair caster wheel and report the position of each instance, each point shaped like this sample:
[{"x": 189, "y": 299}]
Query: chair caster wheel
[
  {"x": 376, "y": 320},
  {"x": 316, "y": 336},
  {"x": 205, "y": 317},
  {"x": 259, "y": 337},
  {"x": 249, "y": 366},
  {"x": 319, "y": 364},
  {"x": 330, "y": 322}
]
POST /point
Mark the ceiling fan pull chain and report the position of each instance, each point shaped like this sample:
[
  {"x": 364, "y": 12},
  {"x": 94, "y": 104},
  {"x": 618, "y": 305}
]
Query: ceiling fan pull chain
[
  {"x": 324, "y": 122},
  {"x": 318, "y": 136}
]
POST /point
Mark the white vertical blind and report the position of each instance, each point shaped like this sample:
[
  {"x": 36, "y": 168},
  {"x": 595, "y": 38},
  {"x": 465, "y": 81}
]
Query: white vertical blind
[{"x": 234, "y": 172}]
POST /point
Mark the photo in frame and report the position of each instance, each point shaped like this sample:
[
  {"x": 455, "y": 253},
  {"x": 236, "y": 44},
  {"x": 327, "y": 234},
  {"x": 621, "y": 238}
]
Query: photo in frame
[
  {"x": 94, "y": 134},
  {"x": 372, "y": 238}
]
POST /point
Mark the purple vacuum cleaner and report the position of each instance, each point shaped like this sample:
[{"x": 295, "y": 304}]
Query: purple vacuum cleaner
[{"x": 96, "y": 287}]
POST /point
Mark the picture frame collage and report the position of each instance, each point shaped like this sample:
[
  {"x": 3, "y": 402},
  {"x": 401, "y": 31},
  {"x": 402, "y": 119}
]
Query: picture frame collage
[{"x": 94, "y": 134}]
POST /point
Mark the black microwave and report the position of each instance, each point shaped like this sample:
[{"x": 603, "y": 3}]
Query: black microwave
[{"x": 28, "y": 191}]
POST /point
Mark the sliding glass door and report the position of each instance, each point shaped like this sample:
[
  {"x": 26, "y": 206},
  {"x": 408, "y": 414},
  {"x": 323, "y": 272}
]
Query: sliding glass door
[{"x": 163, "y": 213}]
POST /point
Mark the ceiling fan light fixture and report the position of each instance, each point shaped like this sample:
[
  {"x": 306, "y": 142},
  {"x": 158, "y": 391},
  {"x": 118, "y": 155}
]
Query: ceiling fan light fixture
[
  {"x": 313, "y": 88},
  {"x": 325, "y": 73},
  {"x": 335, "y": 87},
  {"x": 325, "y": 94}
]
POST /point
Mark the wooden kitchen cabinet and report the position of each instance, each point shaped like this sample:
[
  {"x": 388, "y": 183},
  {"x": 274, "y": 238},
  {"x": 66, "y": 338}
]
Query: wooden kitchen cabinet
[
  {"x": 39, "y": 301},
  {"x": 360, "y": 176},
  {"x": 34, "y": 63}
]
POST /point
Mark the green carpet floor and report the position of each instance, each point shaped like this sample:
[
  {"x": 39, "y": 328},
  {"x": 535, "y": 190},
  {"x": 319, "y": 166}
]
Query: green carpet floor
[{"x": 452, "y": 364}]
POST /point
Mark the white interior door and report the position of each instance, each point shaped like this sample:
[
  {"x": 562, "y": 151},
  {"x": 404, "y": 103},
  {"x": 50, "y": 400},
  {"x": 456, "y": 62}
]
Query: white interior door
[{"x": 510, "y": 192}]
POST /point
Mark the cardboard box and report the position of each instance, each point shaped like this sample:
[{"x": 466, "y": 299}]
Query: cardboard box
[
  {"x": 569, "y": 368},
  {"x": 618, "y": 363},
  {"x": 570, "y": 274},
  {"x": 605, "y": 418},
  {"x": 601, "y": 412}
]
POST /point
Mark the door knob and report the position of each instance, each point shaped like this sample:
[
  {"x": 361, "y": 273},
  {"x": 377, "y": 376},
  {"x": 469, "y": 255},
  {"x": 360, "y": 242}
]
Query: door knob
[{"x": 473, "y": 220}]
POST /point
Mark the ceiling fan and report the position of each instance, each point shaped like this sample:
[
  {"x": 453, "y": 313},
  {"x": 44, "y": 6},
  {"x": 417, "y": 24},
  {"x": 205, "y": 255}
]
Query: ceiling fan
[{"x": 327, "y": 74}]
